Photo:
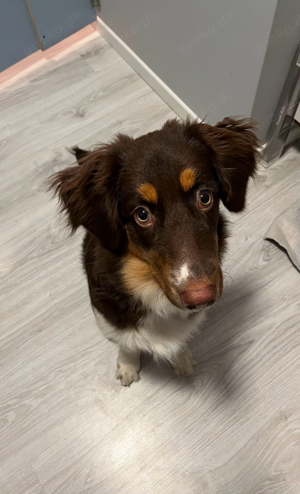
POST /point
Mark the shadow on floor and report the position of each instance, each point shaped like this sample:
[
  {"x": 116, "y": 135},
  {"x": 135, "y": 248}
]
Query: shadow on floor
[{"x": 221, "y": 341}]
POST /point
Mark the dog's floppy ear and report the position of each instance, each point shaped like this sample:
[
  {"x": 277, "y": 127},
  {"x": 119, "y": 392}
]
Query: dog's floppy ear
[
  {"x": 234, "y": 151},
  {"x": 79, "y": 153},
  {"x": 88, "y": 191}
]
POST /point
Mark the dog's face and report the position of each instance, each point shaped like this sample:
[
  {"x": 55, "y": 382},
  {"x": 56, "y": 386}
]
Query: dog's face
[{"x": 154, "y": 201}]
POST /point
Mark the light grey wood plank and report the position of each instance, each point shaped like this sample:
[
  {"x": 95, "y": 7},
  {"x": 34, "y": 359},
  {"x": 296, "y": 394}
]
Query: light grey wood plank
[
  {"x": 16, "y": 480},
  {"x": 66, "y": 425}
]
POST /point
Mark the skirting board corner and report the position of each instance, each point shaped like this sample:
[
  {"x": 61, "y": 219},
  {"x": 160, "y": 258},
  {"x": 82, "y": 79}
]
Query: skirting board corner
[{"x": 152, "y": 79}]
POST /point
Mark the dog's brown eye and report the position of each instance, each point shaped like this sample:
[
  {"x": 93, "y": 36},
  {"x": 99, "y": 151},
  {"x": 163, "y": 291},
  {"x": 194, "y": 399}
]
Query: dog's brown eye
[
  {"x": 143, "y": 217},
  {"x": 205, "y": 199}
]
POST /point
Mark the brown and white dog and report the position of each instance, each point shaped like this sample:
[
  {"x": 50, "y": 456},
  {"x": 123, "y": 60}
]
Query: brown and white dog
[{"x": 155, "y": 237}]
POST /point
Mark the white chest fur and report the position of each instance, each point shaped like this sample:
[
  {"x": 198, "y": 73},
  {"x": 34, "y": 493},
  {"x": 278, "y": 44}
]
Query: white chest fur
[{"x": 161, "y": 335}]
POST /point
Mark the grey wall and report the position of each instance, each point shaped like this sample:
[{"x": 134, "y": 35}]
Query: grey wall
[
  {"x": 278, "y": 53},
  {"x": 57, "y": 19},
  {"x": 204, "y": 50},
  {"x": 17, "y": 34}
]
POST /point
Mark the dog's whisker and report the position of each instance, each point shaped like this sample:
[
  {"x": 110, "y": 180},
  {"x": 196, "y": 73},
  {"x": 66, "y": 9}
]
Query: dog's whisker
[{"x": 227, "y": 276}]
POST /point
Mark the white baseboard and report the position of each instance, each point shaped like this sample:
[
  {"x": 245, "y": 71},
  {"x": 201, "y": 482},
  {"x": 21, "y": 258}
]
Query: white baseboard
[{"x": 152, "y": 79}]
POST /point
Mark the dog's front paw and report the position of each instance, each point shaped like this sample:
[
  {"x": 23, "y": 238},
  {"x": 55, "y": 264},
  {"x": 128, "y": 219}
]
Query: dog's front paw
[
  {"x": 127, "y": 374},
  {"x": 183, "y": 363}
]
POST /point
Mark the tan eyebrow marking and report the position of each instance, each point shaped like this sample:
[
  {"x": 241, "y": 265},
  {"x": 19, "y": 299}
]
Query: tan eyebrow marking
[
  {"x": 148, "y": 192},
  {"x": 187, "y": 179}
]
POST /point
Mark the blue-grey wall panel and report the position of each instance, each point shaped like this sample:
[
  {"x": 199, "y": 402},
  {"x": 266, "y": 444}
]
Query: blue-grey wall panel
[
  {"x": 57, "y": 19},
  {"x": 17, "y": 35}
]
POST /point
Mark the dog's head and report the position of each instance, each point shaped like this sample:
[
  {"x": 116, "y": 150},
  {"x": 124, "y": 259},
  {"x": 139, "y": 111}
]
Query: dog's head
[{"x": 154, "y": 201}]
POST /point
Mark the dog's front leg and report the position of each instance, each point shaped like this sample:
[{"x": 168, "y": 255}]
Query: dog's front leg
[
  {"x": 183, "y": 362},
  {"x": 128, "y": 366}
]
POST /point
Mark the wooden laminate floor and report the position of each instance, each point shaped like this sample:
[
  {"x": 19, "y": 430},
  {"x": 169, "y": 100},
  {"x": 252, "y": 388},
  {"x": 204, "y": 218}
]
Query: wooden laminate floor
[{"x": 66, "y": 424}]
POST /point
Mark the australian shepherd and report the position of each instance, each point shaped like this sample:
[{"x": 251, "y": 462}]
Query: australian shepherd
[{"x": 154, "y": 237}]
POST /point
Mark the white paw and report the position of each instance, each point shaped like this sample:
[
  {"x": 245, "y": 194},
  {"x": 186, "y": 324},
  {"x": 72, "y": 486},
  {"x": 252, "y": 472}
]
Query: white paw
[
  {"x": 183, "y": 364},
  {"x": 127, "y": 374}
]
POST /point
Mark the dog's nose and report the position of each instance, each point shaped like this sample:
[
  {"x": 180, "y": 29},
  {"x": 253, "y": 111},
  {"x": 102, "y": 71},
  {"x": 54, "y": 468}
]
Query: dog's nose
[{"x": 200, "y": 294}]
